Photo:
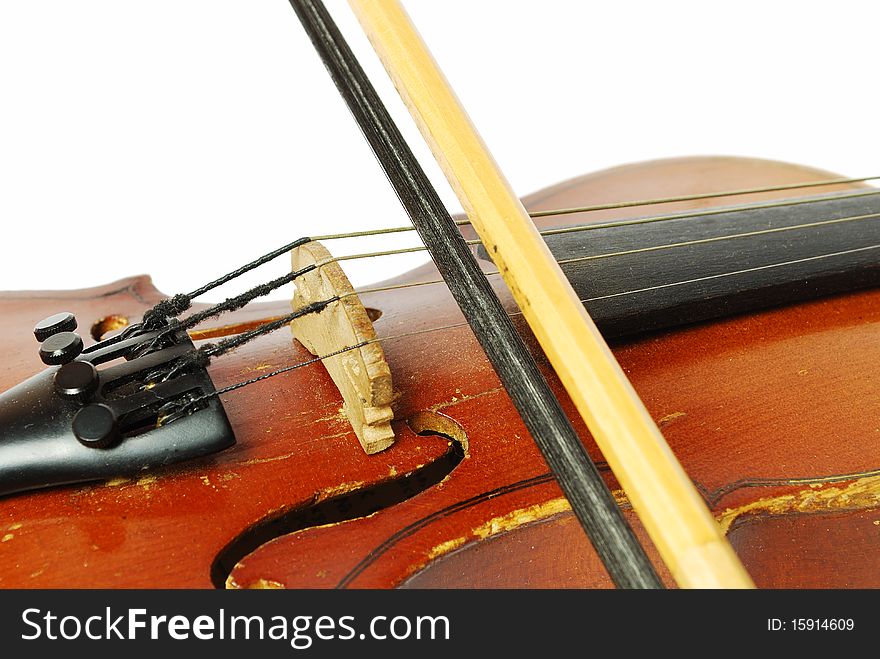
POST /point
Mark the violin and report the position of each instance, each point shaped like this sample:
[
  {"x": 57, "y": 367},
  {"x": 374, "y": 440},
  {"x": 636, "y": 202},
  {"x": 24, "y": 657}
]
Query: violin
[
  {"x": 738, "y": 296},
  {"x": 771, "y": 413}
]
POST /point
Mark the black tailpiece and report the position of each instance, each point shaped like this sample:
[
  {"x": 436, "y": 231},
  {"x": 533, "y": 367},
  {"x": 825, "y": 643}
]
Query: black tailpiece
[{"x": 99, "y": 412}]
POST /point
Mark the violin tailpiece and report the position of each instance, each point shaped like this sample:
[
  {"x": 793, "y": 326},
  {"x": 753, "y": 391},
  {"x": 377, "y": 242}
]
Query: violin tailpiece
[
  {"x": 361, "y": 375},
  {"x": 74, "y": 422}
]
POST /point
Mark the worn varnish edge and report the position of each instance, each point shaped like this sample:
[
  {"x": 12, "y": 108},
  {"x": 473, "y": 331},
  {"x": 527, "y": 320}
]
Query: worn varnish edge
[
  {"x": 362, "y": 376},
  {"x": 265, "y": 584},
  {"x": 511, "y": 521},
  {"x": 817, "y": 498},
  {"x": 820, "y": 497}
]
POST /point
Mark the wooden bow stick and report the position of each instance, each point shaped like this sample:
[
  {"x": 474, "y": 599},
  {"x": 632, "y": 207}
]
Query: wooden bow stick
[{"x": 685, "y": 533}]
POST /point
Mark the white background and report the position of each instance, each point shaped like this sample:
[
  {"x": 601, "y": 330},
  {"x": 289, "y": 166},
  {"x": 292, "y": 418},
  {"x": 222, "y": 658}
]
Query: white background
[{"x": 181, "y": 138}]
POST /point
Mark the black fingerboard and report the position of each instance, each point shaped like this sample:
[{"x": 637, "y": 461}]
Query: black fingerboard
[{"x": 648, "y": 290}]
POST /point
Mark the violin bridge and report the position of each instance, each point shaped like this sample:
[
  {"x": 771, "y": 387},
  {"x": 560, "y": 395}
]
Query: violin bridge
[{"x": 362, "y": 375}]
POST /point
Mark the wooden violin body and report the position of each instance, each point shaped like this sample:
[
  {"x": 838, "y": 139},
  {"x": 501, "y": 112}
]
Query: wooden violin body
[{"x": 775, "y": 415}]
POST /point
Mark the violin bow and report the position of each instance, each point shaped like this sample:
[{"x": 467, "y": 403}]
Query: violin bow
[
  {"x": 687, "y": 537},
  {"x": 591, "y": 501},
  {"x": 672, "y": 511}
]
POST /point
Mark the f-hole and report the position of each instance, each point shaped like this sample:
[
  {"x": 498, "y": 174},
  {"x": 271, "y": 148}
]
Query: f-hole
[{"x": 351, "y": 505}]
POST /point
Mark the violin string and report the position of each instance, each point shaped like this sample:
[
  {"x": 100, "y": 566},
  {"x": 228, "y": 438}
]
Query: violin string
[
  {"x": 631, "y": 204},
  {"x": 174, "y": 325},
  {"x": 786, "y": 203},
  {"x": 685, "y": 243},
  {"x": 203, "y": 355},
  {"x": 231, "y": 343},
  {"x": 192, "y": 404},
  {"x": 732, "y": 273},
  {"x": 177, "y": 304},
  {"x": 714, "y": 239},
  {"x": 699, "y": 196},
  {"x": 249, "y": 266},
  {"x": 241, "y": 300},
  {"x": 609, "y": 225}
]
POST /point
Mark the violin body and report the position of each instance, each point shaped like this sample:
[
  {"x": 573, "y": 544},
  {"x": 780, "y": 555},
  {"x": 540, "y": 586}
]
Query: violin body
[{"x": 774, "y": 415}]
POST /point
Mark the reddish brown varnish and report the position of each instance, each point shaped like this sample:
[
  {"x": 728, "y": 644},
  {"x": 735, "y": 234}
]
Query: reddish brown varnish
[{"x": 775, "y": 416}]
